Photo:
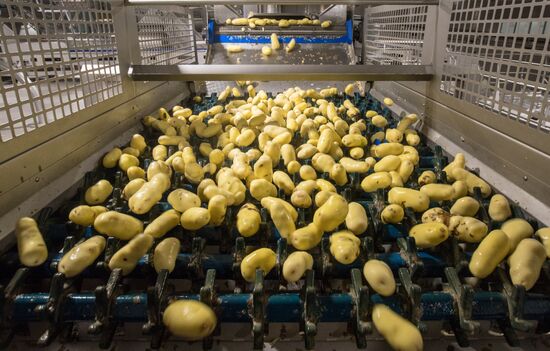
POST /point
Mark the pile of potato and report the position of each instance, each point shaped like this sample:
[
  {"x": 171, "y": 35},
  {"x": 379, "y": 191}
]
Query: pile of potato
[
  {"x": 241, "y": 153},
  {"x": 253, "y": 22}
]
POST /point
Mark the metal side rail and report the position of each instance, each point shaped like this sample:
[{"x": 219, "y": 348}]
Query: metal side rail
[
  {"x": 281, "y": 2},
  {"x": 280, "y": 72}
]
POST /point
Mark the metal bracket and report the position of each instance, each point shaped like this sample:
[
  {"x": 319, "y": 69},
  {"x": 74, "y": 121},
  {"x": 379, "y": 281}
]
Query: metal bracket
[
  {"x": 238, "y": 257},
  {"x": 7, "y": 296},
  {"x": 311, "y": 312},
  {"x": 259, "y": 305},
  {"x": 156, "y": 299},
  {"x": 282, "y": 253},
  {"x": 361, "y": 300},
  {"x": 463, "y": 295},
  {"x": 195, "y": 264},
  {"x": 515, "y": 298},
  {"x": 326, "y": 260},
  {"x": 265, "y": 228},
  {"x": 54, "y": 310},
  {"x": 208, "y": 297},
  {"x": 411, "y": 294},
  {"x": 407, "y": 250},
  {"x": 105, "y": 296}
]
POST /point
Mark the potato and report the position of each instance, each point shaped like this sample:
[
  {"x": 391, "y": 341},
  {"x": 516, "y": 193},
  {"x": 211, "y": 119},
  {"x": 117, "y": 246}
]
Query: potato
[
  {"x": 354, "y": 140},
  {"x": 160, "y": 153},
  {"x": 216, "y": 157},
  {"x": 375, "y": 181},
  {"x": 465, "y": 206},
  {"x": 458, "y": 162},
  {"x": 387, "y": 163},
  {"x": 411, "y": 154},
  {"x": 338, "y": 174},
  {"x": 416, "y": 200},
  {"x": 392, "y": 214},
  {"x": 30, "y": 243},
  {"x": 306, "y": 238},
  {"x": 429, "y": 235},
  {"x": 182, "y": 200},
  {"x": 526, "y": 262},
  {"x": 85, "y": 215},
  {"x": 283, "y": 182},
  {"x": 110, "y": 160},
  {"x": 499, "y": 208},
  {"x": 379, "y": 276},
  {"x": 322, "y": 162},
  {"x": 118, "y": 225},
  {"x": 322, "y": 196},
  {"x": 295, "y": 266},
  {"x": 293, "y": 167},
  {"x": 195, "y": 218},
  {"x": 379, "y": 121},
  {"x": 394, "y": 135},
  {"x": 263, "y": 168},
  {"x": 166, "y": 254},
  {"x": 405, "y": 170},
  {"x": 189, "y": 319},
  {"x": 490, "y": 252},
  {"x": 301, "y": 198},
  {"x": 161, "y": 225},
  {"x": 264, "y": 259},
  {"x": 130, "y": 151},
  {"x": 132, "y": 187},
  {"x": 386, "y": 149},
  {"x": 138, "y": 143},
  {"x": 461, "y": 189},
  {"x": 467, "y": 229},
  {"x": 126, "y": 161},
  {"x": 217, "y": 207},
  {"x": 306, "y": 151},
  {"x": 260, "y": 188},
  {"x": 396, "y": 180},
  {"x": 354, "y": 166},
  {"x": 98, "y": 193},
  {"x": 325, "y": 185},
  {"x": 438, "y": 192},
  {"x": 516, "y": 229},
  {"x": 398, "y": 332},
  {"x": 357, "y": 153},
  {"x": 544, "y": 235},
  {"x": 436, "y": 214},
  {"x": 127, "y": 257},
  {"x": 81, "y": 256},
  {"x": 472, "y": 181},
  {"x": 331, "y": 214},
  {"x": 269, "y": 201},
  {"x": 149, "y": 194},
  {"x": 356, "y": 219},
  {"x": 344, "y": 247},
  {"x": 308, "y": 173},
  {"x": 288, "y": 153},
  {"x": 282, "y": 219},
  {"x": 427, "y": 177}
]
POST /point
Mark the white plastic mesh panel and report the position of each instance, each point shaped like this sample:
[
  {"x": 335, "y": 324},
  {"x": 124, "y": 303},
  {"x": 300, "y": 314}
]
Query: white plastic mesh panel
[
  {"x": 395, "y": 34},
  {"x": 498, "y": 57},
  {"x": 56, "y": 58},
  {"x": 165, "y": 36}
]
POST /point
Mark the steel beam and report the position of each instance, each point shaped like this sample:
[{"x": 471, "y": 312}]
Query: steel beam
[{"x": 282, "y": 2}]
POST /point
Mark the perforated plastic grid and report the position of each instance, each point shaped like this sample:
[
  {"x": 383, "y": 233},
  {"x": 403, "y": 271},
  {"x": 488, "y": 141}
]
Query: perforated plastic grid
[
  {"x": 498, "y": 57},
  {"x": 56, "y": 58},
  {"x": 395, "y": 34},
  {"x": 165, "y": 36}
]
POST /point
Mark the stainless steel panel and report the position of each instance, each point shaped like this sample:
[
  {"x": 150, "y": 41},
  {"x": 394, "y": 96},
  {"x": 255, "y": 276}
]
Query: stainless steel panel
[
  {"x": 281, "y": 2},
  {"x": 280, "y": 72}
]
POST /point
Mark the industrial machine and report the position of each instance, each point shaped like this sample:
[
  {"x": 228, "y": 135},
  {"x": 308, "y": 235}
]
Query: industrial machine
[{"x": 79, "y": 76}]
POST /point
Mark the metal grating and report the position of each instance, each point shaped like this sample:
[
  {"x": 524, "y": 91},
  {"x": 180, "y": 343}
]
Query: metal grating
[
  {"x": 498, "y": 58},
  {"x": 56, "y": 58},
  {"x": 395, "y": 34},
  {"x": 166, "y": 36}
]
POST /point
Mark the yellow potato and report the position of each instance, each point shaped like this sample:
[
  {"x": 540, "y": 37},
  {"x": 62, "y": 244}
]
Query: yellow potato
[
  {"x": 130, "y": 151},
  {"x": 308, "y": 173},
  {"x": 127, "y": 257},
  {"x": 282, "y": 219},
  {"x": 295, "y": 266},
  {"x": 394, "y": 135},
  {"x": 465, "y": 206},
  {"x": 30, "y": 243},
  {"x": 126, "y": 161},
  {"x": 387, "y": 163},
  {"x": 132, "y": 187},
  {"x": 472, "y": 181},
  {"x": 205, "y": 149},
  {"x": 499, "y": 208},
  {"x": 467, "y": 229},
  {"x": 161, "y": 225},
  {"x": 110, "y": 160},
  {"x": 260, "y": 188},
  {"x": 416, "y": 200},
  {"x": 291, "y": 45},
  {"x": 263, "y": 168},
  {"x": 165, "y": 254},
  {"x": 98, "y": 193},
  {"x": 429, "y": 234},
  {"x": 331, "y": 214},
  {"x": 427, "y": 177},
  {"x": 338, "y": 174},
  {"x": 293, "y": 167},
  {"x": 195, "y": 218},
  {"x": 386, "y": 149},
  {"x": 149, "y": 194},
  {"x": 306, "y": 238},
  {"x": 516, "y": 229},
  {"x": 217, "y": 206},
  {"x": 322, "y": 196},
  {"x": 81, "y": 256},
  {"x": 354, "y": 166},
  {"x": 399, "y": 333},
  {"x": 396, "y": 180},
  {"x": 436, "y": 214},
  {"x": 283, "y": 182},
  {"x": 461, "y": 189},
  {"x": 264, "y": 259},
  {"x": 323, "y": 184},
  {"x": 138, "y": 142},
  {"x": 458, "y": 162},
  {"x": 118, "y": 225},
  {"x": 135, "y": 172},
  {"x": 300, "y": 198},
  {"x": 306, "y": 151},
  {"x": 380, "y": 277},
  {"x": 322, "y": 162},
  {"x": 344, "y": 247},
  {"x": 85, "y": 215},
  {"x": 375, "y": 181},
  {"x": 405, "y": 169},
  {"x": 216, "y": 157},
  {"x": 356, "y": 219},
  {"x": 354, "y": 140},
  {"x": 379, "y": 121},
  {"x": 526, "y": 262},
  {"x": 248, "y": 220},
  {"x": 438, "y": 192},
  {"x": 326, "y": 24},
  {"x": 490, "y": 252},
  {"x": 182, "y": 200},
  {"x": 392, "y": 214},
  {"x": 544, "y": 235},
  {"x": 357, "y": 153},
  {"x": 157, "y": 167},
  {"x": 189, "y": 319}
]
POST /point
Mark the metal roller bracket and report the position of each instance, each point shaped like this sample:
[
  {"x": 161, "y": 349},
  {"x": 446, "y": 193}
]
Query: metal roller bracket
[
  {"x": 195, "y": 264},
  {"x": 265, "y": 227},
  {"x": 515, "y": 298},
  {"x": 282, "y": 254},
  {"x": 361, "y": 301},
  {"x": 311, "y": 311},
  {"x": 105, "y": 296},
  {"x": 463, "y": 295},
  {"x": 411, "y": 294},
  {"x": 259, "y": 304},
  {"x": 407, "y": 250},
  {"x": 326, "y": 261},
  {"x": 238, "y": 256},
  {"x": 207, "y": 296},
  {"x": 156, "y": 300},
  {"x": 7, "y": 296}
]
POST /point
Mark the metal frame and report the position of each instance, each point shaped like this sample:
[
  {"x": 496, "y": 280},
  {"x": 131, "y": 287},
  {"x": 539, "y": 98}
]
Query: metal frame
[
  {"x": 277, "y": 72},
  {"x": 281, "y": 2}
]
